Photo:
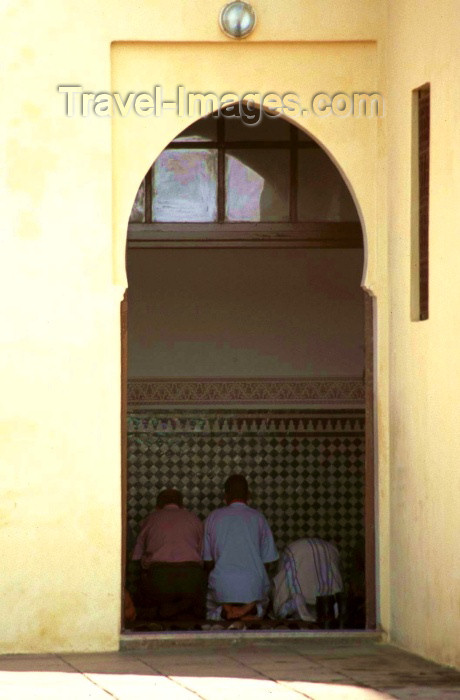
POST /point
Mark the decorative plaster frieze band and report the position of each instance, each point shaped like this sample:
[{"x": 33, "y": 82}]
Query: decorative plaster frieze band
[
  {"x": 309, "y": 422},
  {"x": 316, "y": 391}
]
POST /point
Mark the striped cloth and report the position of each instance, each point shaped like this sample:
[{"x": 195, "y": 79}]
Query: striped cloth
[{"x": 308, "y": 568}]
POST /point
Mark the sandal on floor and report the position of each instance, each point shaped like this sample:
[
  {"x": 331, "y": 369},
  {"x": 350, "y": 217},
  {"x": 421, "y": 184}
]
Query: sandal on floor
[{"x": 237, "y": 625}]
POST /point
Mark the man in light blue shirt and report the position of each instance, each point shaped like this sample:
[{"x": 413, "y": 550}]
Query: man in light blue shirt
[{"x": 238, "y": 544}]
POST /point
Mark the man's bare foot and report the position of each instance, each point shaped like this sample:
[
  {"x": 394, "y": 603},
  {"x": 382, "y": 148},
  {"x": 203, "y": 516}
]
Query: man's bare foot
[
  {"x": 236, "y": 612},
  {"x": 245, "y": 610},
  {"x": 230, "y": 611}
]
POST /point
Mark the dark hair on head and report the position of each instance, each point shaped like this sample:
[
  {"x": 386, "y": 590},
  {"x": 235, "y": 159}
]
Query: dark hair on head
[
  {"x": 168, "y": 496},
  {"x": 236, "y": 486}
]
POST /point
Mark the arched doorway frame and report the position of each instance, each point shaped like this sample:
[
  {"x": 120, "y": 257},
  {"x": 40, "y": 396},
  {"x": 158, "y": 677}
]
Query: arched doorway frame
[{"x": 369, "y": 359}]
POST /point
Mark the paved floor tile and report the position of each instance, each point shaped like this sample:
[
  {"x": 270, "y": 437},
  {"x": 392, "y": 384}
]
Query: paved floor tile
[
  {"x": 308, "y": 677},
  {"x": 47, "y": 685},
  {"x": 127, "y": 677},
  {"x": 342, "y": 691},
  {"x": 138, "y": 687},
  {"x": 425, "y": 693},
  {"x": 29, "y": 663},
  {"x": 103, "y": 663},
  {"x": 212, "y": 688},
  {"x": 288, "y": 671},
  {"x": 208, "y": 671}
]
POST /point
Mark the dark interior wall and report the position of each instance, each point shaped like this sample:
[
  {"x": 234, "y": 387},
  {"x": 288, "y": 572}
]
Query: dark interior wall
[{"x": 245, "y": 313}]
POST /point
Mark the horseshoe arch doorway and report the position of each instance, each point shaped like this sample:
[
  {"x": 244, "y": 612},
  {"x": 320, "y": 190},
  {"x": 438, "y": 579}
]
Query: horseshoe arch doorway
[{"x": 224, "y": 200}]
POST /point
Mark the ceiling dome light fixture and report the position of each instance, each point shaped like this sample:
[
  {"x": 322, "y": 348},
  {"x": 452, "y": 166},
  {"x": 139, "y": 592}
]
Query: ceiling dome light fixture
[{"x": 237, "y": 19}]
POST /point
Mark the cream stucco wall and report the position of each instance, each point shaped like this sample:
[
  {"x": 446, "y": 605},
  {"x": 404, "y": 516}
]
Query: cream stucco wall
[
  {"x": 66, "y": 195},
  {"x": 423, "y": 46}
]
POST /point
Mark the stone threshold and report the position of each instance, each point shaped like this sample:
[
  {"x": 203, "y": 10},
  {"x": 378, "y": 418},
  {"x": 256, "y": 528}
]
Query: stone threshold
[{"x": 132, "y": 641}]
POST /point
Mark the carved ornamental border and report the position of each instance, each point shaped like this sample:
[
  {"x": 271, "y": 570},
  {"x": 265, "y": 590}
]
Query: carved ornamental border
[{"x": 315, "y": 391}]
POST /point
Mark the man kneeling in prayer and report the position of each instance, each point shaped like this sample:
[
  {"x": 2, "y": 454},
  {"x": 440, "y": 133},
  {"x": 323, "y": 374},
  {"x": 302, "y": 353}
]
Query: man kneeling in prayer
[
  {"x": 169, "y": 547},
  {"x": 308, "y": 571},
  {"x": 238, "y": 544}
]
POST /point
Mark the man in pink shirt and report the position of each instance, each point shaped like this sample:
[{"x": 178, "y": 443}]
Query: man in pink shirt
[{"x": 169, "y": 547}]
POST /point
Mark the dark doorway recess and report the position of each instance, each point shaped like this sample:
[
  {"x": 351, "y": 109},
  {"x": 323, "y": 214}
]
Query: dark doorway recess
[{"x": 224, "y": 185}]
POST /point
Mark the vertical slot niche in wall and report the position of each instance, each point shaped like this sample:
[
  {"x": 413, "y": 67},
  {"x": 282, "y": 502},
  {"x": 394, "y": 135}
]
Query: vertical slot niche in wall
[{"x": 420, "y": 203}]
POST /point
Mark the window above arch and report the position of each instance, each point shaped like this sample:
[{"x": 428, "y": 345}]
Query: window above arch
[{"x": 224, "y": 180}]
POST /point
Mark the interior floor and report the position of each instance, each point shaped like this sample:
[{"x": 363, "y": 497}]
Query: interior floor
[
  {"x": 333, "y": 612},
  {"x": 210, "y": 625}
]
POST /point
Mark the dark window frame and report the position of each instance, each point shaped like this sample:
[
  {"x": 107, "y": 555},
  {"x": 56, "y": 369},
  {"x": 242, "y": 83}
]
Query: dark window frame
[
  {"x": 222, "y": 233},
  {"x": 420, "y": 203},
  {"x": 423, "y": 115}
]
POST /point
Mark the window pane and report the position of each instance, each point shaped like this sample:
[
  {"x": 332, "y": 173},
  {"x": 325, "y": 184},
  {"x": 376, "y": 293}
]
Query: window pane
[
  {"x": 184, "y": 186},
  {"x": 202, "y": 130},
  {"x": 322, "y": 193},
  {"x": 269, "y": 129},
  {"x": 256, "y": 189},
  {"x": 138, "y": 211}
]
